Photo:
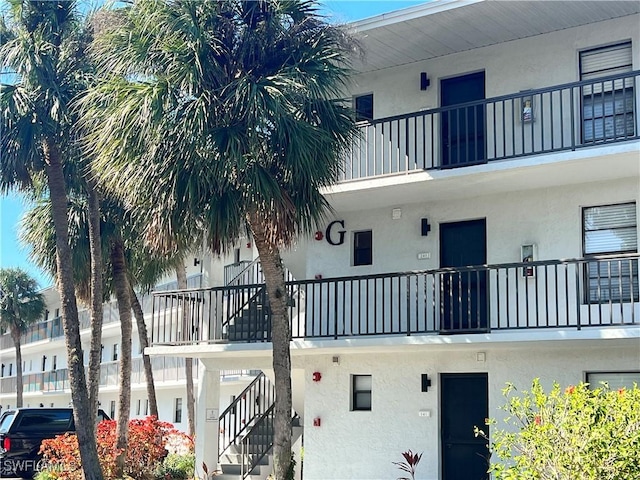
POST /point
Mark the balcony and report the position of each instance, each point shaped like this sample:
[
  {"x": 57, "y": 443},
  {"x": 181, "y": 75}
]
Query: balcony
[
  {"x": 52, "y": 329},
  {"x": 532, "y": 122},
  {"x": 165, "y": 369},
  {"x": 551, "y": 294}
]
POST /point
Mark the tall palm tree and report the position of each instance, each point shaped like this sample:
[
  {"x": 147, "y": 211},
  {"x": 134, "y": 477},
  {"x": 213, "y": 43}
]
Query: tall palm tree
[
  {"x": 181, "y": 277},
  {"x": 223, "y": 116},
  {"x": 119, "y": 241},
  {"x": 144, "y": 267},
  {"x": 20, "y": 305},
  {"x": 42, "y": 43}
]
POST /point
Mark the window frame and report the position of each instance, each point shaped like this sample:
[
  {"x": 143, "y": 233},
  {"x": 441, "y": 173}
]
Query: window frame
[
  {"x": 177, "y": 410},
  {"x": 361, "y": 115},
  {"x": 593, "y": 386},
  {"x": 590, "y": 99},
  {"x": 356, "y": 392},
  {"x": 591, "y": 298},
  {"x": 355, "y": 250}
]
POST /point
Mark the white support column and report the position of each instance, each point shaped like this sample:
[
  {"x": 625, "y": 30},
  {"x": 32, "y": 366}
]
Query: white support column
[{"x": 207, "y": 418}]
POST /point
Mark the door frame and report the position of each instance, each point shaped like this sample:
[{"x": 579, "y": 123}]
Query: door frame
[
  {"x": 486, "y": 428},
  {"x": 442, "y": 80},
  {"x": 486, "y": 310}
]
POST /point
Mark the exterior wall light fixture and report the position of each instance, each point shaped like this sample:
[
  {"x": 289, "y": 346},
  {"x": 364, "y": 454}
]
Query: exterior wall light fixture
[
  {"x": 426, "y": 382},
  {"x": 317, "y": 376},
  {"x": 425, "y": 228},
  {"x": 424, "y": 81}
]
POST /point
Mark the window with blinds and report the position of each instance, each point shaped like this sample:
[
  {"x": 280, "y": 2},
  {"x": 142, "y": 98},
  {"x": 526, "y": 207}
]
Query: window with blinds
[
  {"x": 607, "y": 105},
  {"x": 611, "y": 229},
  {"x": 614, "y": 380}
]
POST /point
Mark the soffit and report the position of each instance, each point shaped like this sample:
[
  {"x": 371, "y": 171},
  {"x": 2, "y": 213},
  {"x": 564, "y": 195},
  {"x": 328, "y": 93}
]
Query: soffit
[{"x": 444, "y": 27}]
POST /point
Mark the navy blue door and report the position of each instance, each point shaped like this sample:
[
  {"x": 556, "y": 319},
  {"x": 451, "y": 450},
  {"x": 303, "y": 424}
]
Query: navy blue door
[
  {"x": 463, "y": 129},
  {"x": 464, "y": 404},
  {"x": 463, "y": 293}
]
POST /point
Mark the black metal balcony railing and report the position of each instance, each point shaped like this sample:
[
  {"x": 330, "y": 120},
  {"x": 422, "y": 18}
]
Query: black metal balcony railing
[
  {"x": 52, "y": 329},
  {"x": 531, "y": 122},
  {"x": 577, "y": 293}
]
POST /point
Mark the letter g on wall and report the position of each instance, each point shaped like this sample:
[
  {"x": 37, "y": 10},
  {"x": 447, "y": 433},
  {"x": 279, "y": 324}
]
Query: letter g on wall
[{"x": 329, "y": 234}]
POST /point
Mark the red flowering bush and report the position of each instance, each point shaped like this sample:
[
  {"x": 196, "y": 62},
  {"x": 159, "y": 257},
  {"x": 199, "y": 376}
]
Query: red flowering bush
[{"x": 146, "y": 450}]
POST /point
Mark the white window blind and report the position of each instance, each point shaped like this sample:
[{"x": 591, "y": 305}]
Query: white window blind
[
  {"x": 614, "y": 380},
  {"x": 601, "y": 62},
  {"x": 607, "y": 105},
  {"x": 610, "y": 229}
]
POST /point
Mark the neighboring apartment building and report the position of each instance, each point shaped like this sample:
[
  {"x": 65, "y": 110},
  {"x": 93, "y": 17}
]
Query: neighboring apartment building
[
  {"x": 45, "y": 374},
  {"x": 485, "y": 231}
]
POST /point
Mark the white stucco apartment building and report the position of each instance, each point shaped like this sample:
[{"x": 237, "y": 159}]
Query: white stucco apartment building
[
  {"x": 46, "y": 378},
  {"x": 485, "y": 230}
]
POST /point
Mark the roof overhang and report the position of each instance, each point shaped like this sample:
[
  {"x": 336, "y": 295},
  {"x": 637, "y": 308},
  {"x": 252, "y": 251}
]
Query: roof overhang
[{"x": 444, "y": 27}]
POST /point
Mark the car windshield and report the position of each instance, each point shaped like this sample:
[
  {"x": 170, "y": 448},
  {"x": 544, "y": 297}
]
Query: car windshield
[
  {"x": 45, "y": 420},
  {"x": 5, "y": 421}
]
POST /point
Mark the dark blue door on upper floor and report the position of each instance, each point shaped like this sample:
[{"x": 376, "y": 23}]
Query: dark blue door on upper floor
[
  {"x": 463, "y": 128},
  {"x": 463, "y": 292}
]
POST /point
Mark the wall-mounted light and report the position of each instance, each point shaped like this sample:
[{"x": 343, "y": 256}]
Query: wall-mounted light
[
  {"x": 317, "y": 376},
  {"x": 424, "y": 81},
  {"x": 426, "y": 382},
  {"x": 317, "y": 422},
  {"x": 425, "y": 228},
  {"x": 318, "y": 235},
  {"x": 196, "y": 262}
]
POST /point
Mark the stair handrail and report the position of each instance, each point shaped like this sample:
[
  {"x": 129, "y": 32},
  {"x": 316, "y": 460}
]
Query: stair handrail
[
  {"x": 253, "y": 459},
  {"x": 258, "y": 281},
  {"x": 233, "y": 409},
  {"x": 238, "y": 310},
  {"x": 236, "y": 280}
]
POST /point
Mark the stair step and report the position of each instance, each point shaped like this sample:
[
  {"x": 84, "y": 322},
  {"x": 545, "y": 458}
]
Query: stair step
[{"x": 236, "y": 468}]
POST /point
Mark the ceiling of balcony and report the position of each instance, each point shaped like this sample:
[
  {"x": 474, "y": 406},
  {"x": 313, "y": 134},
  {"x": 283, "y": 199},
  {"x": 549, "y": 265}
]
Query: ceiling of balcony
[{"x": 444, "y": 27}]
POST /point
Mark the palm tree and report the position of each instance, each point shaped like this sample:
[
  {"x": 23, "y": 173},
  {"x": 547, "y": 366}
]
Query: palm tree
[
  {"x": 20, "y": 305},
  {"x": 42, "y": 43},
  {"x": 181, "y": 277},
  {"x": 223, "y": 116},
  {"x": 120, "y": 246},
  {"x": 144, "y": 267}
]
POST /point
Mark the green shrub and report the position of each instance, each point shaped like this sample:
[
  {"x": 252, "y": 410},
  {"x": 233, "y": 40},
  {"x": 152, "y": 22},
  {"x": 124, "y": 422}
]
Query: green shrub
[
  {"x": 177, "y": 467},
  {"x": 574, "y": 433},
  {"x": 44, "y": 475}
]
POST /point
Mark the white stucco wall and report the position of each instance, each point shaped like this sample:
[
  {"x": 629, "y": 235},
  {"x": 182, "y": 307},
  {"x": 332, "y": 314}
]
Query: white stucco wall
[
  {"x": 551, "y": 218},
  {"x": 529, "y": 63},
  {"x": 362, "y": 444}
]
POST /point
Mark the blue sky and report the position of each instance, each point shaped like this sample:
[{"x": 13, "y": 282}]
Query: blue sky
[{"x": 12, "y": 207}]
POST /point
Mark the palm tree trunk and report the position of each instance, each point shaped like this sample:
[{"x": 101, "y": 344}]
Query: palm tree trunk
[
  {"x": 82, "y": 412},
  {"x": 122, "y": 289},
  {"x": 181, "y": 275},
  {"x": 144, "y": 343},
  {"x": 280, "y": 337},
  {"x": 95, "y": 247},
  {"x": 15, "y": 334}
]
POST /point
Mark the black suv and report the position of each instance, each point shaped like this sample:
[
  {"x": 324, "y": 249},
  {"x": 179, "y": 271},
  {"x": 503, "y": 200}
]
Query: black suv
[{"x": 21, "y": 432}]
